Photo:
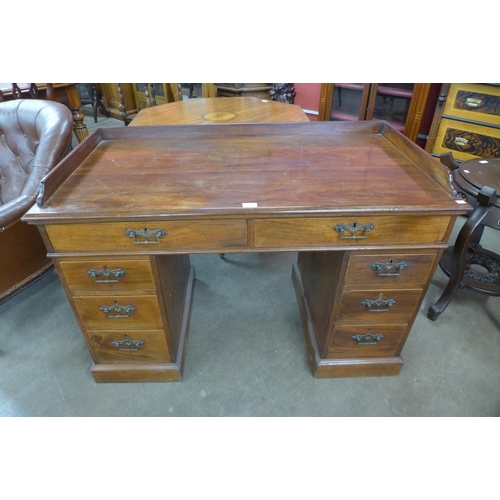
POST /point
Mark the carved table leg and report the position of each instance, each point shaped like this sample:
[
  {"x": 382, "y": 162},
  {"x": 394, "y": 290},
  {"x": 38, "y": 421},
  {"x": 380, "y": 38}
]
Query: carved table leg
[
  {"x": 75, "y": 105},
  {"x": 460, "y": 249}
]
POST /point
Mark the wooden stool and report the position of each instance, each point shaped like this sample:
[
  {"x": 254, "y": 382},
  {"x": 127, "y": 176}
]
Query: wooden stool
[{"x": 467, "y": 263}]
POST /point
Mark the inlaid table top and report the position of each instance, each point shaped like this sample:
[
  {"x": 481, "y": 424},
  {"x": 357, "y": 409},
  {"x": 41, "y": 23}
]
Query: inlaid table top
[{"x": 220, "y": 110}]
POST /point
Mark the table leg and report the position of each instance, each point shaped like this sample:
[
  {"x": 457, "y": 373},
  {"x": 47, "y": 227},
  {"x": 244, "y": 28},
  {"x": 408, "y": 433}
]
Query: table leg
[
  {"x": 459, "y": 259},
  {"x": 75, "y": 105}
]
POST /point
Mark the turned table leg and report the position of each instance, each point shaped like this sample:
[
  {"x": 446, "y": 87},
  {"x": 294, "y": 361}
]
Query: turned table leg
[{"x": 75, "y": 105}]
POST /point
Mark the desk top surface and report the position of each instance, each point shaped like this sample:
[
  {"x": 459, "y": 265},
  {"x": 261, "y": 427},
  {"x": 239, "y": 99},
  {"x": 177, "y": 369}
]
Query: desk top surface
[
  {"x": 219, "y": 110},
  {"x": 243, "y": 170}
]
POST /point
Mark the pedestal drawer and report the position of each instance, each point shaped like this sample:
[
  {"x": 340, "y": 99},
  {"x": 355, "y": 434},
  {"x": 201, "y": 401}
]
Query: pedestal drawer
[
  {"x": 130, "y": 347},
  {"x": 366, "y": 341},
  {"x": 119, "y": 313},
  {"x": 389, "y": 269},
  {"x": 377, "y": 307},
  {"x": 106, "y": 274},
  {"x": 349, "y": 231},
  {"x": 148, "y": 236}
]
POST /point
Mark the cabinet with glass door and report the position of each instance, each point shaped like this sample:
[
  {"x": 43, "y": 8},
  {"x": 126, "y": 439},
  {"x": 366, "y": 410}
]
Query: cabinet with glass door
[{"x": 402, "y": 105}]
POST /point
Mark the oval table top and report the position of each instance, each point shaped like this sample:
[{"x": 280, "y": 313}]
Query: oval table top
[{"x": 219, "y": 110}]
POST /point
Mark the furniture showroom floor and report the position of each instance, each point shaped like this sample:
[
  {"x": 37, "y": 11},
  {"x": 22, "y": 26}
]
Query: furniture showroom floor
[{"x": 246, "y": 353}]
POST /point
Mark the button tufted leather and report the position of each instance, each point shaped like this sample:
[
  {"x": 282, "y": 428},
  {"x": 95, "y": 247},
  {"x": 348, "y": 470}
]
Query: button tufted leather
[{"x": 34, "y": 135}]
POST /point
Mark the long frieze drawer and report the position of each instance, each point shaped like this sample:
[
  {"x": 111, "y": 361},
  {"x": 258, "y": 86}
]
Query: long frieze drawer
[
  {"x": 342, "y": 231},
  {"x": 119, "y": 313},
  {"x": 467, "y": 140},
  {"x": 377, "y": 307},
  {"x": 132, "y": 347},
  {"x": 82, "y": 276},
  {"x": 389, "y": 269},
  {"x": 148, "y": 235},
  {"x": 362, "y": 341}
]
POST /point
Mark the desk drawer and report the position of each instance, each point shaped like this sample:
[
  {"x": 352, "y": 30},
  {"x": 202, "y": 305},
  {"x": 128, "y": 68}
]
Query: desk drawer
[
  {"x": 130, "y": 312},
  {"x": 467, "y": 141},
  {"x": 343, "y": 231},
  {"x": 148, "y": 236},
  {"x": 389, "y": 269},
  {"x": 366, "y": 341},
  {"x": 134, "y": 346},
  {"x": 475, "y": 102},
  {"x": 377, "y": 307},
  {"x": 103, "y": 275}
]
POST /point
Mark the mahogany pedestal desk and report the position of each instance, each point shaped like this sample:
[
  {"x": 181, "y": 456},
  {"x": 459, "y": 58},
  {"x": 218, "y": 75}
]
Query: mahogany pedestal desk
[{"x": 368, "y": 212}]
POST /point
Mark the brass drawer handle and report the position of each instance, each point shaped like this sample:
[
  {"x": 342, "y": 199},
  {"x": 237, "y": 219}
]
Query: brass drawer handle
[
  {"x": 461, "y": 141},
  {"x": 128, "y": 345},
  {"x": 368, "y": 338},
  {"x": 109, "y": 275},
  {"x": 472, "y": 102},
  {"x": 121, "y": 311},
  {"x": 390, "y": 268},
  {"x": 352, "y": 229},
  {"x": 379, "y": 305},
  {"x": 143, "y": 236}
]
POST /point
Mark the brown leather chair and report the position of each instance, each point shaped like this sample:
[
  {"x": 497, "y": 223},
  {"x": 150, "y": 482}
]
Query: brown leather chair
[{"x": 34, "y": 136}]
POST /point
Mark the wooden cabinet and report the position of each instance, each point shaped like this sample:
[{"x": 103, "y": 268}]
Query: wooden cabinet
[
  {"x": 467, "y": 121},
  {"x": 113, "y": 102},
  {"x": 402, "y": 105},
  {"x": 152, "y": 94}
]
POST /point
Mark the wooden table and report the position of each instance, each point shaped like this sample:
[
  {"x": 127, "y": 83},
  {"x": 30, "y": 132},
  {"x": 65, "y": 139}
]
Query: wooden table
[
  {"x": 220, "y": 110},
  {"x": 61, "y": 92},
  {"x": 467, "y": 263},
  {"x": 367, "y": 210}
]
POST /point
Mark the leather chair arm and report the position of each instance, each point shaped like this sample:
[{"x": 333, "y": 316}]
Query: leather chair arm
[{"x": 13, "y": 210}]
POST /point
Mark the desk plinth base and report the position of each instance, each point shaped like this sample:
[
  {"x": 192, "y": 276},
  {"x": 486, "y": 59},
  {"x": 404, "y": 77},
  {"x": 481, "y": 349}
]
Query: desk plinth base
[
  {"x": 137, "y": 373},
  {"x": 161, "y": 372},
  {"x": 337, "y": 368}
]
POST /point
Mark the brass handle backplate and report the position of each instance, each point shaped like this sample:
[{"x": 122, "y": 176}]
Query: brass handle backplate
[
  {"x": 472, "y": 102},
  {"x": 368, "y": 338},
  {"x": 128, "y": 345},
  {"x": 352, "y": 231},
  {"x": 117, "y": 311},
  {"x": 146, "y": 236},
  {"x": 390, "y": 268},
  {"x": 108, "y": 275},
  {"x": 379, "y": 305},
  {"x": 461, "y": 141}
]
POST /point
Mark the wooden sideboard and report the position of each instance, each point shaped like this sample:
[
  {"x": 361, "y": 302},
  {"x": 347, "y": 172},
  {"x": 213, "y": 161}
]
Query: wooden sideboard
[{"x": 367, "y": 210}]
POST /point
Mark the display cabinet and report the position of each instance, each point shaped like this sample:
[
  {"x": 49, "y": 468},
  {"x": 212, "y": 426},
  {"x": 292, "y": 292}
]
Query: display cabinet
[
  {"x": 152, "y": 94},
  {"x": 402, "y": 105},
  {"x": 113, "y": 102}
]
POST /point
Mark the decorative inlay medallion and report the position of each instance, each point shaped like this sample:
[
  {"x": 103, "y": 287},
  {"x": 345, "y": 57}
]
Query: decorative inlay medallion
[{"x": 219, "y": 116}]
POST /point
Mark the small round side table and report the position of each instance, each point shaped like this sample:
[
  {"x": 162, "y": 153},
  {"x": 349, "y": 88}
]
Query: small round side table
[{"x": 467, "y": 263}]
